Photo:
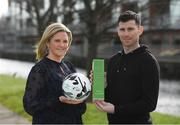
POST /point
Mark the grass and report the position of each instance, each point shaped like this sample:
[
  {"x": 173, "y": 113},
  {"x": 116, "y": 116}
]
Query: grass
[
  {"x": 12, "y": 90},
  {"x": 165, "y": 119},
  {"x": 93, "y": 116},
  {"x": 11, "y": 93}
]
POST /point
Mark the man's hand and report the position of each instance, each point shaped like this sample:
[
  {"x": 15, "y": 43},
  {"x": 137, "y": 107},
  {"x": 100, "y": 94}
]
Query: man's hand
[
  {"x": 69, "y": 101},
  {"x": 91, "y": 76},
  {"x": 104, "y": 106}
]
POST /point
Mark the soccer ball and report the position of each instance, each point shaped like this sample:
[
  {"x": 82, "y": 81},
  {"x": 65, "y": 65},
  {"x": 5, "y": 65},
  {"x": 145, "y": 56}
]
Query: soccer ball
[{"x": 76, "y": 86}]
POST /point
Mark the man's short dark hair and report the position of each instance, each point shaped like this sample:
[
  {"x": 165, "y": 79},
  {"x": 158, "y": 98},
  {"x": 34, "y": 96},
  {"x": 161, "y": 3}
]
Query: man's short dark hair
[{"x": 129, "y": 15}]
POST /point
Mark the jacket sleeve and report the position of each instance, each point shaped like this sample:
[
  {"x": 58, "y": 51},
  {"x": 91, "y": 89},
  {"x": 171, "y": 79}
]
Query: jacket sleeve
[
  {"x": 150, "y": 89},
  {"x": 35, "y": 99}
]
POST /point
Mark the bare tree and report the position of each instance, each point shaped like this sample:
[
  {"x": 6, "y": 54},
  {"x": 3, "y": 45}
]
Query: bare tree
[
  {"x": 96, "y": 15},
  {"x": 41, "y": 16},
  {"x": 97, "y": 18}
]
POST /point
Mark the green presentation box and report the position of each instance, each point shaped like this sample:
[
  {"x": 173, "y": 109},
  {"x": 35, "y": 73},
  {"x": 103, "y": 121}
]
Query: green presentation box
[{"x": 98, "y": 79}]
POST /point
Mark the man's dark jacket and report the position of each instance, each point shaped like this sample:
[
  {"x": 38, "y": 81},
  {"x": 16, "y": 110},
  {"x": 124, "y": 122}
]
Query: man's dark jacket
[{"x": 132, "y": 86}]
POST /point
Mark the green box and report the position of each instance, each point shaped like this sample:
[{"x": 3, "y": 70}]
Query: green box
[{"x": 98, "y": 79}]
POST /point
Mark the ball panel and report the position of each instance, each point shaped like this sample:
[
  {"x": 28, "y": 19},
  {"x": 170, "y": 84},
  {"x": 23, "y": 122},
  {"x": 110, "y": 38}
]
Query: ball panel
[{"x": 76, "y": 86}]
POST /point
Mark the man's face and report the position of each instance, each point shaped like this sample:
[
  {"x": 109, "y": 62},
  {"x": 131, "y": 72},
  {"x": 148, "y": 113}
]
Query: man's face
[{"x": 129, "y": 33}]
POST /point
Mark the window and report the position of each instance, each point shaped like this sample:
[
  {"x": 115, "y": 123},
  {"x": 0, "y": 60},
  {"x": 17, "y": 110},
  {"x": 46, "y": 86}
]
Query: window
[
  {"x": 177, "y": 42},
  {"x": 156, "y": 42},
  {"x": 29, "y": 22}
]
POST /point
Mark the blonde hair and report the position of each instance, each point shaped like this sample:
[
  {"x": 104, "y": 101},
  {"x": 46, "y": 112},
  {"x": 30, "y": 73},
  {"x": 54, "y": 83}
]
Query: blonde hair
[{"x": 41, "y": 48}]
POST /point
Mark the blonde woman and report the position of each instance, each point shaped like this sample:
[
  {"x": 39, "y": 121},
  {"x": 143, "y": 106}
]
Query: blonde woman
[{"x": 43, "y": 98}]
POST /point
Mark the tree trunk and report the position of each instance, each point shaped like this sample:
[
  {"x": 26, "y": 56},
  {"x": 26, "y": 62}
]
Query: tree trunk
[{"x": 92, "y": 53}]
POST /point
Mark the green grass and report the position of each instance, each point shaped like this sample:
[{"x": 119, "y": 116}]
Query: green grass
[
  {"x": 94, "y": 116},
  {"x": 11, "y": 93},
  {"x": 100, "y": 117},
  {"x": 165, "y": 119},
  {"x": 12, "y": 90}
]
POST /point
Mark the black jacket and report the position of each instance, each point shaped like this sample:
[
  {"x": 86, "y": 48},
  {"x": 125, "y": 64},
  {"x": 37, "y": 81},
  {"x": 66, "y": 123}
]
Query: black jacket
[
  {"x": 132, "y": 86},
  {"x": 43, "y": 88}
]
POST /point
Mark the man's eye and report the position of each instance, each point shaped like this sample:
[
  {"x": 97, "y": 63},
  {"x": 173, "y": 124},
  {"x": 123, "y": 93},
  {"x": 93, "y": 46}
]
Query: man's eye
[
  {"x": 121, "y": 29},
  {"x": 130, "y": 29}
]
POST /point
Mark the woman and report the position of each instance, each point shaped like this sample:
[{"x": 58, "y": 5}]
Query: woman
[{"x": 43, "y": 98}]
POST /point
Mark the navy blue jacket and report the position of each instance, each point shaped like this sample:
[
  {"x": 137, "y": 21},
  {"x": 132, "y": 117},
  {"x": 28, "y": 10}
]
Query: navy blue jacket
[
  {"x": 132, "y": 86},
  {"x": 43, "y": 88}
]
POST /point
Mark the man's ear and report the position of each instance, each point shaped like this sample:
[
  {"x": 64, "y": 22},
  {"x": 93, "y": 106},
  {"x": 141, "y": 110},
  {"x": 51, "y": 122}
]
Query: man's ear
[
  {"x": 141, "y": 30},
  {"x": 118, "y": 31}
]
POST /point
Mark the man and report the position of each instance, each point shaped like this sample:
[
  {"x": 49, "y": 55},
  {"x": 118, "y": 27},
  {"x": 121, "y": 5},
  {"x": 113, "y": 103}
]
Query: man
[{"x": 132, "y": 77}]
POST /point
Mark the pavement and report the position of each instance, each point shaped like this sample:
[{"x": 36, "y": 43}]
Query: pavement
[{"x": 9, "y": 117}]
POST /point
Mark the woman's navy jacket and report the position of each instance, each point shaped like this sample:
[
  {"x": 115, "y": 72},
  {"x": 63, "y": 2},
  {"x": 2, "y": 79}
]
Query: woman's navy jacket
[{"x": 43, "y": 88}]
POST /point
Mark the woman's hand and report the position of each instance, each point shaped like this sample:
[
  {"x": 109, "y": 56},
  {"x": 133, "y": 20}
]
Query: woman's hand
[{"x": 69, "y": 101}]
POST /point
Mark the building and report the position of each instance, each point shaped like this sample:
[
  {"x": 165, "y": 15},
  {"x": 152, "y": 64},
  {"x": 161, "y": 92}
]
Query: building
[{"x": 161, "y": 21}]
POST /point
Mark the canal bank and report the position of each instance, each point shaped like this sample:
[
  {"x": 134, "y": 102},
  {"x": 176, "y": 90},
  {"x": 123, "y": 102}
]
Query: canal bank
[{"x": 170, "y": 67}]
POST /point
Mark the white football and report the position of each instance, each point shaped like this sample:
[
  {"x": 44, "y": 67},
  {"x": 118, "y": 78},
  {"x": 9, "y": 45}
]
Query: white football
[{"x": 76, "y": 86}]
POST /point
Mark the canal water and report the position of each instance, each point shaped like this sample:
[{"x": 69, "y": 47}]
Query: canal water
[{"x": 169, "y": 95}]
